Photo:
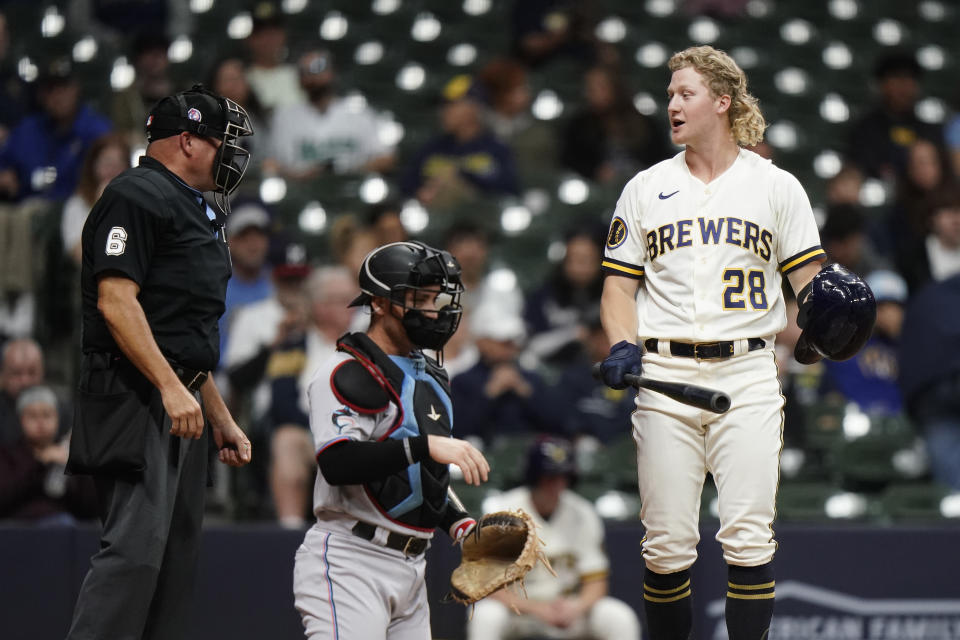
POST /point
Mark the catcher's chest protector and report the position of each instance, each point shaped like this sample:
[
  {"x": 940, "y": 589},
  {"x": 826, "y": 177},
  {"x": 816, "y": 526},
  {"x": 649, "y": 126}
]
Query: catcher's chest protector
[{"x": 417, "y": 495}]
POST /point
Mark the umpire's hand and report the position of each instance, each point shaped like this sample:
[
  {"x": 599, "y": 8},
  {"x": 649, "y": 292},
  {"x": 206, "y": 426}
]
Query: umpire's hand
[
  {"x": 184, "y": 411},
  {"x": 625, "y": 357}
]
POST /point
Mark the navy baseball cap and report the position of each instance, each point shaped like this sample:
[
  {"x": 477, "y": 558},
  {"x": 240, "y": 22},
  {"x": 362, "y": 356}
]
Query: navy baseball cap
[
  {"x": 463, "y": 87},
  {"x": 175, "y": 114}
]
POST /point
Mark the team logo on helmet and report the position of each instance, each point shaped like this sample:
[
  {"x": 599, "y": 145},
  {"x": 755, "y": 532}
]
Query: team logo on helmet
[
  {"x": 194, "y": 114},
  {"x": 618, "y": 233},
  {"x": 149, "y": 119}
]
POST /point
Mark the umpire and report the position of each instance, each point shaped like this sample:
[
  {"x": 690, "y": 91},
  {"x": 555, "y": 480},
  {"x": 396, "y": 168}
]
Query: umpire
[{"x": 154, "y": 274}]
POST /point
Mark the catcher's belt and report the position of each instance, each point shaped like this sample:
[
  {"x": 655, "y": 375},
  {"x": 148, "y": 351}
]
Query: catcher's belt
[{"x": 408, "y": 545}]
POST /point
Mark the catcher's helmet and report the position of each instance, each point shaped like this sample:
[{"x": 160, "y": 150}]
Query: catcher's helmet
[
  {"x": 837, "y": 314},
  {"x": 393, "y": 269},
  {"x": 550, "y": 456},
  {"x": 207, "y": 114}
]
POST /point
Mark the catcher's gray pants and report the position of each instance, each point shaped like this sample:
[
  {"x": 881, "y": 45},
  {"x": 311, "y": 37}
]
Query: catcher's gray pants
[
  {"x": 347, "y": 588},
  {"x": 140, "y": 583}
]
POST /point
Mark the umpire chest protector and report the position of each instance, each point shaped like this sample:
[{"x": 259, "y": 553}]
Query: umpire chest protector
[{"x": 416, "y": 496}]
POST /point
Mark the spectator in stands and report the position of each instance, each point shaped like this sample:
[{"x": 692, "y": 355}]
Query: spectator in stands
[
  {"x": 928, "y": 170},
  {"x": 936, "y": 256},
  {"x": 110, "y": 21},
  {"x": 544, "y": 30},
  {"x": 497, "y": 395},
  {"x": 469, "y": 243},
  {"x": 20, "y": 368},
  {"x": 951, "y": 134},
  {"x": 108, "y": 156},
  {"x": 844, "y": 238},
  {"x": 575, "y": 602},
  {"x": 533, "y": 142},
  {"x": 258, "y": 328},
  {"x": 609, "y": 140},
  {"x": 350, "y": 242},
  {"x": 870, "y": 378},
  {"x": 880, "y": 139},
  {"x": 324, "y": 134},
  {"x": 34, "y": 487},
  {"x": 13, "y": 96},
  {"x": 248, "y": 232},
  {"x": 466, "y": 159},
  {"x": 152, "y": 83},
  {"x": 930, "y": 374},
  {"x": 844, "y": 188},
  {"x": 384, "y": 221},
  {"x": 228, "y": 77},
  {"x": 592, "y": 409},
  {"x": 555, "y": 312},
  {"x": 329, "y": 291},
  {"x": 43, "y": 154},
  {"x": 275, "y": 82}
]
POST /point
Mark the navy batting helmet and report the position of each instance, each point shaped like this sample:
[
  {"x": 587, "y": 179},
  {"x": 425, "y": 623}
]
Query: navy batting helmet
[
  {"x": 550, "y": 456},
  {"x": 837, "y": 313},
  {"x": 393, "y": 269}
]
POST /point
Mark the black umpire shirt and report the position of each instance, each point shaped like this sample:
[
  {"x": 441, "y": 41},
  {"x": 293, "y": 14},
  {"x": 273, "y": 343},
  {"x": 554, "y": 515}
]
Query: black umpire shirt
[{"x": 151, "y": 227}]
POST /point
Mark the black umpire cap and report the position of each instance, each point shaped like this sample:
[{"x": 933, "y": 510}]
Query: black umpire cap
[{"x": 167, "y": 118}]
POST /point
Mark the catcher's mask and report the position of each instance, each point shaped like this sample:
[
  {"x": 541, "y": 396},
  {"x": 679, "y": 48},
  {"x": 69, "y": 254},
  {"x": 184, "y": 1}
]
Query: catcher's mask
[
  {"x": 394, "y": 269},
  {"x": 207, "y": 114}
]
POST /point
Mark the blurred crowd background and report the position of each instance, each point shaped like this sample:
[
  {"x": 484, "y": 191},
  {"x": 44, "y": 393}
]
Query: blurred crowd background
[{"x": 502, "y": 130}]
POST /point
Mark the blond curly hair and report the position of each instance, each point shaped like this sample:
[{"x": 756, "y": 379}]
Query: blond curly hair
[{"x": 723, "y": 77}]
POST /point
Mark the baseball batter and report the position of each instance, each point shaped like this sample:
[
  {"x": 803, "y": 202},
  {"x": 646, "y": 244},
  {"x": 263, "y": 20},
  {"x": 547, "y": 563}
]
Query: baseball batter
[
  {"x": 709, "y": 234},
  {"x": 381, "y": 419}
]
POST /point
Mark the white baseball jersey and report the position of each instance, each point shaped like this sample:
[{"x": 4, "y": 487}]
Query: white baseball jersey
[
  {"x": 572, "y": 539},
  {"x": 711, "y": 255},
  {"x": 331, "y": 421},
  {"x": 304, "y": 137}
]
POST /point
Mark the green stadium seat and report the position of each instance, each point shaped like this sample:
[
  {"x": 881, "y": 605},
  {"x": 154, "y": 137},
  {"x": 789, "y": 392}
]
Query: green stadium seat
[{"x": 914, "y": 502}]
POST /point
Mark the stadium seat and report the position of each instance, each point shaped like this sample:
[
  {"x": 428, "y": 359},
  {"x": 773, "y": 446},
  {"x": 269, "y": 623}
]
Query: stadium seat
[{"x": 914, "y": 502}]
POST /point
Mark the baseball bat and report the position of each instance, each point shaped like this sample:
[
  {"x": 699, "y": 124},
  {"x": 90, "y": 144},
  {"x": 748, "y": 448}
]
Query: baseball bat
[{"x": 691, "y": 394}]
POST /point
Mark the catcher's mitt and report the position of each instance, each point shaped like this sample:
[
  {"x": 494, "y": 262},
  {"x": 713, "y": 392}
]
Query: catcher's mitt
[{"x": 500, "y": 550}]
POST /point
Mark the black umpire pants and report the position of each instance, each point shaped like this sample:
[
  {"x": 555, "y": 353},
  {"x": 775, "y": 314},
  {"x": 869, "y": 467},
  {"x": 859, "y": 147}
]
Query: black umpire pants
[{"x": 141, "y": 581}]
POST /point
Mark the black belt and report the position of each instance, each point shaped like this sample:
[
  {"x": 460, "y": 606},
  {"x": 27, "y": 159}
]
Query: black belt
[
  {"x": 703, "y": 350},
  {"x": 192, "y": 379},
  {"x": 408, "y": 545}
]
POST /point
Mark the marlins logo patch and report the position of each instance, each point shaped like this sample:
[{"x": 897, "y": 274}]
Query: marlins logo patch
[
  {"x": 618, "y": 233},
  {"x": 194, "y": 114}
]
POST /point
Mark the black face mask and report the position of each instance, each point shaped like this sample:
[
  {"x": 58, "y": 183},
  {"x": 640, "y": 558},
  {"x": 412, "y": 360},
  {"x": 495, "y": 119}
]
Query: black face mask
[{"x": 431, "y": 333}]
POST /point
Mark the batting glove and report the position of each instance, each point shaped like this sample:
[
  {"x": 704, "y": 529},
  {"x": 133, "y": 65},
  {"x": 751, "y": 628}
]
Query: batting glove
[{"x": 625, "y": 357}]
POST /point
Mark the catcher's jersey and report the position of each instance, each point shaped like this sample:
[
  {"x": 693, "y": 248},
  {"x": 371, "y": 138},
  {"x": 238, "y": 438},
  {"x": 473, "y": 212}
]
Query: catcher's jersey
[
  {"x": 331, "y": 421},
  {"x": 572, "y": 540},
  {"x": 712, "y": 255}
]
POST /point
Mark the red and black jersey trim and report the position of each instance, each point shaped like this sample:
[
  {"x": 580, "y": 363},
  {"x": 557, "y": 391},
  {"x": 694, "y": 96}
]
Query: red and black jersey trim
[
  {"x": 620, "y": 268},
  {"x": 806, "y": 256}
]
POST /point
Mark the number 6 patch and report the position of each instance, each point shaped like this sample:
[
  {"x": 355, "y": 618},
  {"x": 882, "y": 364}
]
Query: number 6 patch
[{"x": 116, "y": 241}]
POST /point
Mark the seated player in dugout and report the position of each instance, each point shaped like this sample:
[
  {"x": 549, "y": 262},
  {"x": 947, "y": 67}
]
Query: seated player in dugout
[
  {"x": 695, "y": 257},
  {"x": 382, "y": 421}
]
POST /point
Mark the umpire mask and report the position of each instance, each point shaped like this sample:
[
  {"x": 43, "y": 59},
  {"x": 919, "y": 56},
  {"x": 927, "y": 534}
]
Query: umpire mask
[
  {"x": 207, "y": 114},
  {"x": 394, "y": 269}
]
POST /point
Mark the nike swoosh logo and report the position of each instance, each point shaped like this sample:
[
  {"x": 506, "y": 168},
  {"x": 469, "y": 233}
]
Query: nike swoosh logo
[{"x": 664, "y": 197}]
